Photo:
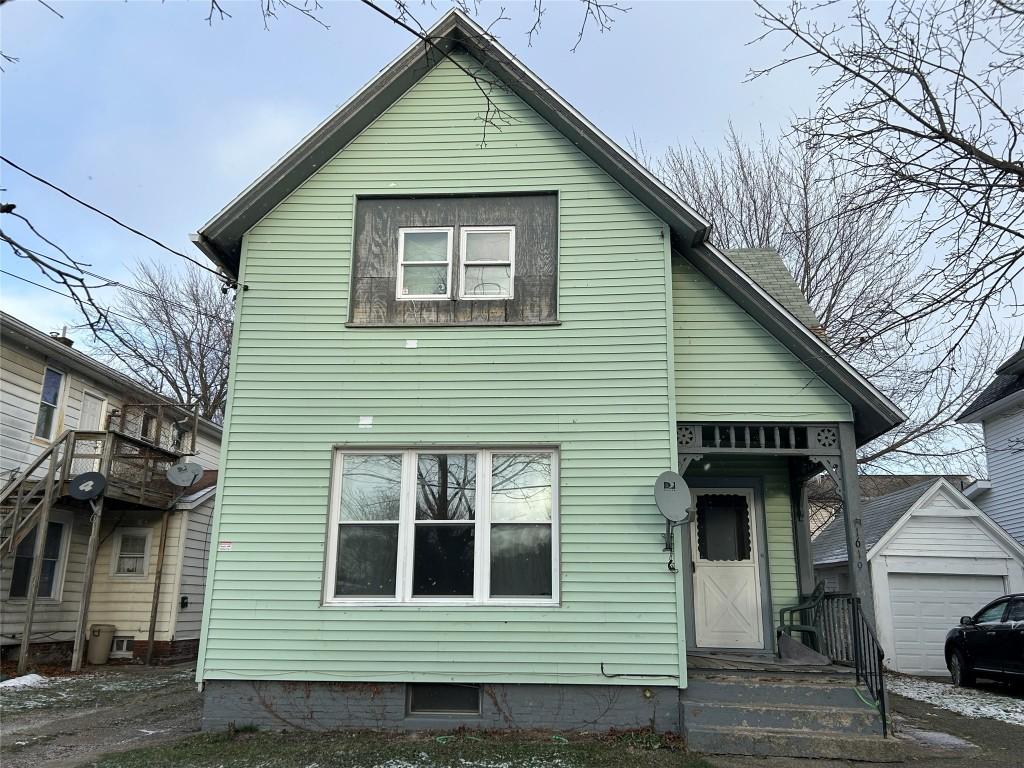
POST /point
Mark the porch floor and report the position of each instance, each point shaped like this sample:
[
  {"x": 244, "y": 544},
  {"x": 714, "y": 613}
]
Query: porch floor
[{"x": 754, "y": 661}]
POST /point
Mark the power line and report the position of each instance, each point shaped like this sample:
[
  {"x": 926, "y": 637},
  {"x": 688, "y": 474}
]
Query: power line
[
  {"x": 106, "y": 215},
  {"x": 149, "y": 329}
]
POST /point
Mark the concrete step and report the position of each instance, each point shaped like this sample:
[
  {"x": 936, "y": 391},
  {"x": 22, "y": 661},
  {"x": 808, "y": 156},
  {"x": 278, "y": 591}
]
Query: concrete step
[
  {"x": 787, "y": 691},
  {"x": 824, "y": 719},
  {"x": 768, "y": 742}
]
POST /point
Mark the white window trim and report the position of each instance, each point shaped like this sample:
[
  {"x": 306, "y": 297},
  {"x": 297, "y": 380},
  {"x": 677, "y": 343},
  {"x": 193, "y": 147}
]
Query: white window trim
[
  {"x": 67, "y": 521},
  {"x": 128, "y": 654},
  {"x": 407, "y": 521},
  {"x": 58, "y": 409},
  {"x": 450, "y": 231},
  {"x": 115, "y": 552},
  {"x": 511, "y": 263}
]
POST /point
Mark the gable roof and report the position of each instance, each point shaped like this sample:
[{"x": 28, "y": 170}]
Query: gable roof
[
  {"x": 220, "y": 238},
  {"x": 766, "y": 266},
  {"x": 882, "y": 517},
  {"x": 879, "y": 515},
  {"x": 1008, "y": 385},
  {"x": 32, "y": 338}
]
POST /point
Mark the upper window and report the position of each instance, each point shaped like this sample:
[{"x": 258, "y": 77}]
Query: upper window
[
  {"x": 48, "y": 574},
  {"x": 463, "y": 526},
  {"x": 131, "y": 552},
  {"x": 488, "y": 263},
  {"x": 450, "y": 260},
  {"x": 424, "y": 263},
  {"x": 49, "y": 403}
]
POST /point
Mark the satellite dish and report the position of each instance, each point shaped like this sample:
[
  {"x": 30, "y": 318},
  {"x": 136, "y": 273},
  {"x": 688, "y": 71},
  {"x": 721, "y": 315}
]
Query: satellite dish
[
  {"x": 87, "y": 486},
  {"x": 673, "y": 497},
  {"x": 184, "y": 474}
]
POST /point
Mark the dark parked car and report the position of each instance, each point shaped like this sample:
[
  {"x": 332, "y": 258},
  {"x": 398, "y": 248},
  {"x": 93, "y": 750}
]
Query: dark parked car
[{"x": 989, "y": 644}]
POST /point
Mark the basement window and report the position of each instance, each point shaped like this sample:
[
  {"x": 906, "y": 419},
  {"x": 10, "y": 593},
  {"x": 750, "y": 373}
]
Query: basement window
[
  {"x": 443, "y": 699},
  {"x": 123, "y": 647}
]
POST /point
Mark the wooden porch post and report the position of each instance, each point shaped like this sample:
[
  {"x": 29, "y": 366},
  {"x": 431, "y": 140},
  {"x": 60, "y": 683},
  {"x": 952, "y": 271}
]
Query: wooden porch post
[
  {"x": 37, "y": 566},
  {"x": 90, "y": 568},
  {"x": 860, "y": 577},
  {"x": 90, "y": 558},
  {"x": 156, "y": 585}
]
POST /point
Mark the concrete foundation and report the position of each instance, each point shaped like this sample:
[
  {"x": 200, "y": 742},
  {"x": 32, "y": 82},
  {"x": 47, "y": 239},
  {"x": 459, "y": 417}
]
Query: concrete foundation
[{"x": 383, "y": 706}]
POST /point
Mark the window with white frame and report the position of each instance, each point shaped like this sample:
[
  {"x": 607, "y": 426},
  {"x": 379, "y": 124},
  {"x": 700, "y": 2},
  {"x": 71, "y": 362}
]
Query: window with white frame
[
  {"x": 488, "y": 263},
  {"x": 462, "y": 526},
  {"x": 123, "y": 647},
  {"x": 131, "y": 552},
  {"x": 424, "y": 262},
  {"x": 49, "y": 404}
]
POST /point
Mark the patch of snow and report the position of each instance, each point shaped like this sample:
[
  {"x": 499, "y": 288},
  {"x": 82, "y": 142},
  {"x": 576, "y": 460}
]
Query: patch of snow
[
  {"x": 969, "y": 702},
  {"x": 25, "y": 681}
]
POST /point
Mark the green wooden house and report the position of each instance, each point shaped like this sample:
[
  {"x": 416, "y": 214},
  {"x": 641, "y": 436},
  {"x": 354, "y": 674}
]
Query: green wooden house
[{"x": 471, "y": 331}]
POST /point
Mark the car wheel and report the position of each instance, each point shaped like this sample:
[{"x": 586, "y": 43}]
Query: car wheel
[{"x": 960, "y": 670}]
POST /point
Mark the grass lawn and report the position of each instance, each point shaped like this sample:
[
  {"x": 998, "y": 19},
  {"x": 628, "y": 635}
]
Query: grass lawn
[{"x": 265, "y": 749}]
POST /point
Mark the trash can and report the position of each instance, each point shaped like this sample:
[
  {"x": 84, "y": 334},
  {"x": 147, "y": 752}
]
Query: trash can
[{"x": 101, "y": 637}]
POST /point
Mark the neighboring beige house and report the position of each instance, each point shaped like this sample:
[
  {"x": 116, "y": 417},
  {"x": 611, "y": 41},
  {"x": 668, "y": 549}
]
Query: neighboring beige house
[{"x": 62, "y": 408}]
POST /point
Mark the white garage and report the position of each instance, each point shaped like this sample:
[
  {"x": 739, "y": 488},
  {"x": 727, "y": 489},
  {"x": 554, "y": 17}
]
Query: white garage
[{"x": 933, "y": 557}]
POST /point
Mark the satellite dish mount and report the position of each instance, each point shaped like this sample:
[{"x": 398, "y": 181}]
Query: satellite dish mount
[{"x": 675, "y": 503}]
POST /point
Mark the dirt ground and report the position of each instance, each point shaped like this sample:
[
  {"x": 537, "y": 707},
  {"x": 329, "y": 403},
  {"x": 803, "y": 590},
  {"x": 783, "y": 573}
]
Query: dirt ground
[{"x": 74, "y": 720}]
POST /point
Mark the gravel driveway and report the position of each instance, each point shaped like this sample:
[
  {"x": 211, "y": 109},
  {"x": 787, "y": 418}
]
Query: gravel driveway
[{"x": 71, "y": 720}]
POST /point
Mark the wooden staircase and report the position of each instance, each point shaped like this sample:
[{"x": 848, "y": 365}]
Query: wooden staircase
[{"x": 23, "y": 500}]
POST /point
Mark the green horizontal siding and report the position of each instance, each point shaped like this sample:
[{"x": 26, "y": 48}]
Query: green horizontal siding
[
  {"x": 729, "y": 368},
  {"x": 778, "y": 517},
  {"x": 597, "y": 385}
]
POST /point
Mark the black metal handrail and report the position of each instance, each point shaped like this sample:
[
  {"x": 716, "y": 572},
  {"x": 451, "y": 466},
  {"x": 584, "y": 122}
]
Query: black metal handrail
[{"x": 847, "y": 638}]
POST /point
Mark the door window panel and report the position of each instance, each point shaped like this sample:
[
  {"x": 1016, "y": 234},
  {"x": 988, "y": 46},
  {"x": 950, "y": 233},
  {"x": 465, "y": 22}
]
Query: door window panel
[{"x": 723, "y": 527}]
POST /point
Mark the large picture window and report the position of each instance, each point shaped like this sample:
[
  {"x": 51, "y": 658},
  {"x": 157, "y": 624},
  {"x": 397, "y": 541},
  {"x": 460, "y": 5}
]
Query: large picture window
[{"x": 443, "y": 526}]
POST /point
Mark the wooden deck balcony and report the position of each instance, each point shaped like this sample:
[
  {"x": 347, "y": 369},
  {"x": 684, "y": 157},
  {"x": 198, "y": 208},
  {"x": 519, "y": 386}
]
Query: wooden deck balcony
[{"x": 135, "y": 469}]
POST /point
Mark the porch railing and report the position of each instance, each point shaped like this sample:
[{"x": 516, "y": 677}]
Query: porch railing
[{"x": 847, "y": 638}]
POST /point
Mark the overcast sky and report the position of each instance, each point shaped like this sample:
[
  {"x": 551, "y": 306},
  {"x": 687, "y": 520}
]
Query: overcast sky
[{"x": 151, "y": 114}]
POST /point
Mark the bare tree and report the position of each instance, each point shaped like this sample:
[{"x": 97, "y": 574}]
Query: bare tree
[
  {"x": 857, "y": 266},
  {"x": 171, "y": 331},
  {"x": 72, "y": 278},
  {"x": 924, "y": 102}
]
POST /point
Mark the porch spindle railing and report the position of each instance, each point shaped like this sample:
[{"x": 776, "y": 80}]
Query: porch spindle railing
[{"x": 847, "y": 638}]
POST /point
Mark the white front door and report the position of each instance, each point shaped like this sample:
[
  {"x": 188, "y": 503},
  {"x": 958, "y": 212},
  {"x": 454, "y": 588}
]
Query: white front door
[{"x": 726, "y": 576}]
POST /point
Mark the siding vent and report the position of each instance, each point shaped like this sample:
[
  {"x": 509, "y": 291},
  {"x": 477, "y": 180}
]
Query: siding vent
[{"x": 443, "y": 699}]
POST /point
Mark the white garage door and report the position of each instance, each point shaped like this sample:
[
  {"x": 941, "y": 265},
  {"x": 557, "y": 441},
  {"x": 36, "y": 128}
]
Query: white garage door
[{"x": 924, "y": 607}]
